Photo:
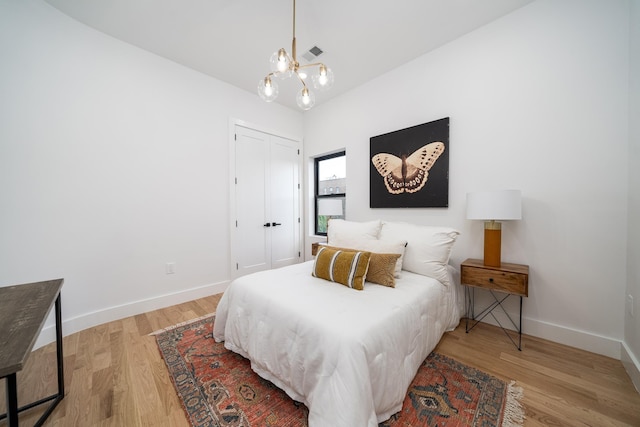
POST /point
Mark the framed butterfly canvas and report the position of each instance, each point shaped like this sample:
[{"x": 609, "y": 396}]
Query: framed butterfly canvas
[{"x": 410, "y": 167}]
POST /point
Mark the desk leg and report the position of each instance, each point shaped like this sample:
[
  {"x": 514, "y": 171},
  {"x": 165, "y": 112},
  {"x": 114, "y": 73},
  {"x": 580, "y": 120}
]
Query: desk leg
[
  {"x": 12, "y": 400},
  {"x": 60, "y": 358},
  {"x": 59, "y": 355}
]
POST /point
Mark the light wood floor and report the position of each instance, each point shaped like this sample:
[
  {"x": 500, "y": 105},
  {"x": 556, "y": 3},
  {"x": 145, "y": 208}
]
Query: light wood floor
[{"x": 114, "y": 375}]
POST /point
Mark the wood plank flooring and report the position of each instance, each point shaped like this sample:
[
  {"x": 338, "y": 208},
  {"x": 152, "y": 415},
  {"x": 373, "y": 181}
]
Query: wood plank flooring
[{"x": 114, "y": 375}]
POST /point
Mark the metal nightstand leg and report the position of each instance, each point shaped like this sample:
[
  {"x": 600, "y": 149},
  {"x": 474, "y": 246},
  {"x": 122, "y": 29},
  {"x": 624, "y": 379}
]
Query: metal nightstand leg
[{"x": 470, "y": 314}]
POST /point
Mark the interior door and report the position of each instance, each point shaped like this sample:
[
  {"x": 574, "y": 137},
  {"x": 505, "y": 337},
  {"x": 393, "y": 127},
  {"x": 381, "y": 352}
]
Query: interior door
[
  {"x": 251, "y": 201},
  {"x": 267, "y": 202},
  {"x": 284, "y": 194}
]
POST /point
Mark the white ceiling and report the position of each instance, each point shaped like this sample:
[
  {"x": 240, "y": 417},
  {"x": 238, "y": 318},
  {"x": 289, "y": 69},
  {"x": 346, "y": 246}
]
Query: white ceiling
[{"x": 232, "y": 40}]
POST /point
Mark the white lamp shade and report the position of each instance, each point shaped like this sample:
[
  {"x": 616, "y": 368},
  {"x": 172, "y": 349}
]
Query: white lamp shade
[
  {"x": 494, "y": 205},
  {"x": 330, "y": 207}
]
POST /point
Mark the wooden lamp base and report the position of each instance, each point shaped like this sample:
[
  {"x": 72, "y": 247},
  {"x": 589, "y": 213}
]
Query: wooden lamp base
[{"x": 492, "y": 242}]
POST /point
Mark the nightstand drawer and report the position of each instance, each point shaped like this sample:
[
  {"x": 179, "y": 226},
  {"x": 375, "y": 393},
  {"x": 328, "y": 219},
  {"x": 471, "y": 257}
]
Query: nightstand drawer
[{"x": 505, "y": 281}]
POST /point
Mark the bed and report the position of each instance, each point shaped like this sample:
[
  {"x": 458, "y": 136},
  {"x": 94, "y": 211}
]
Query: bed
[{"x": 348, "y": 355}]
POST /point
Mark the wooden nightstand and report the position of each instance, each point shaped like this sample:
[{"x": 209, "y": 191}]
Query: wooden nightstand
[
  {"x": 510, "y": 279},
  {"x": 314, "y": 248}
]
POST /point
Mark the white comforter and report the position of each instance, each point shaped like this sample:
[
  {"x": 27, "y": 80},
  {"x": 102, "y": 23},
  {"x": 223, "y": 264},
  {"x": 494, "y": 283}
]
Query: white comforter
[{"x": 348, "y": 355}]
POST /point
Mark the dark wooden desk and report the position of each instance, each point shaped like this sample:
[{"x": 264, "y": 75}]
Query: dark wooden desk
[{"x": 23, "y": 311}]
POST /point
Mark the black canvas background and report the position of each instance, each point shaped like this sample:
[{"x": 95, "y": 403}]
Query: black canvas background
[{"x": 435, "y": 193}]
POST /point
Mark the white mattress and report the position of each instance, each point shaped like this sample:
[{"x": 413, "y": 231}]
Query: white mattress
[{"x": 348, "y": 355}]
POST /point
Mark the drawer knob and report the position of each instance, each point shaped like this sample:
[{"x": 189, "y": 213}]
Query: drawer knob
[{"x": 491, "y": 279}]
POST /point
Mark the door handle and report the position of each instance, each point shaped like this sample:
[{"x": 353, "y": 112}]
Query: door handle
[
  {"x": 267, "y": 224},
  {"x": 275, "y": 223}
]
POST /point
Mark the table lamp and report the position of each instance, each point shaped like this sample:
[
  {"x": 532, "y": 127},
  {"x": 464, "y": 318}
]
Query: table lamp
[{"x": 494, "y": 206}]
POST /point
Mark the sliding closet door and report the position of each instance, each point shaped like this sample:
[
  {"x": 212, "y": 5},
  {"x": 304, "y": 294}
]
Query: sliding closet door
[{"x": 266, "y": 230}]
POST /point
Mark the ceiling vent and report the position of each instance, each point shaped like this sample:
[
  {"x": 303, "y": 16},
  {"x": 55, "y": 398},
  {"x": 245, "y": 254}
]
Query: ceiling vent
[{"x": 312, "y": 54}]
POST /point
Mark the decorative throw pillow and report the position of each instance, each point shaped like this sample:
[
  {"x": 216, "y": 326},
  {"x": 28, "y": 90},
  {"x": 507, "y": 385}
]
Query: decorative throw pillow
[
  {"x": 375, "y": 246},
  {"x": 348, "y": 268},
  {"x": 352, "y": 230},
  {"x": 428, "y": 247},
  {"x": 381, "y": 267}
]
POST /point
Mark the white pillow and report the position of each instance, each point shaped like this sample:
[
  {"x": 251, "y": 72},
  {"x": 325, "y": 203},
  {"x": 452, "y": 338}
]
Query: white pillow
[
  {"x": 375, "y": 246},
  {"x": 352, "y": 230},
  {"x": 428, "y": 248}
]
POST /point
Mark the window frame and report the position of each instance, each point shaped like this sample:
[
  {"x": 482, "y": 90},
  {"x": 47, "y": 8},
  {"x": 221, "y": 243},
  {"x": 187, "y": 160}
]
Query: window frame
[{"x": 316, "y": 195}]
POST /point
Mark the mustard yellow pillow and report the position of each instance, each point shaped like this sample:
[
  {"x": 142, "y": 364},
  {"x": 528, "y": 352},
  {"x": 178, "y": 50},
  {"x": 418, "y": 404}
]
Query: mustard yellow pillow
[
  {"x": 381, "y": 267},
  {"x": 348, "y": 268}
]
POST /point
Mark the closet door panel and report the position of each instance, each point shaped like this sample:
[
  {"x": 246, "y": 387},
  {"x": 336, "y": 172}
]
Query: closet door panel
[
  {"x": 253, "y": 239},
  {"x": 284, "y": 193}
]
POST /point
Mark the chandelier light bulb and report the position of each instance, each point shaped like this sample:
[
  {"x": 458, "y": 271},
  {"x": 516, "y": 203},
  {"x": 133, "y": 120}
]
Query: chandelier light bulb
[
  {"x": 323, "y": 75},
  {"x": 305, "y": 99},
  {"x": 305, "y": 96},
  {"x": 267, "y": 89},
  {"x": 283, "y": 61},
  {"x": 280, "y": 63},
  {"x": 324, "y": 78}
]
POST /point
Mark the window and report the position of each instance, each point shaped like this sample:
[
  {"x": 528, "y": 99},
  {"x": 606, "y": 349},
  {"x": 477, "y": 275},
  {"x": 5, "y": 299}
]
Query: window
[{"x": 330, "y": 189}]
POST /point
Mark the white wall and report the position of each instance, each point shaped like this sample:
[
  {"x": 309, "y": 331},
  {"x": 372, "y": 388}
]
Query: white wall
[
  {"x": 113, "y": 162},
  {"x": 538, "y": 102},
  {"x": 631, "y": 355}
]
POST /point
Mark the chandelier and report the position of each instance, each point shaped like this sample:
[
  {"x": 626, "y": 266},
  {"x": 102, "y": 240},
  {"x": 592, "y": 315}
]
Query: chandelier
[{"x": 284, "y": 66}]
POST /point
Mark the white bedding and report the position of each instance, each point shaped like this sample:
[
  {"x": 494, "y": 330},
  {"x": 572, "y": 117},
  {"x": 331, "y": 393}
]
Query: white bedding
[{"x": 348, "y": 355}]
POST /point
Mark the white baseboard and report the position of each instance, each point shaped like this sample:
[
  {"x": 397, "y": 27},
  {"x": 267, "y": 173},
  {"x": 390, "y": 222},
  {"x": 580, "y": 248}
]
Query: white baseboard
[
  {"x": 594, "y": 343},
  {"x": 631, "y": 365},
  {"x": 79, "y": 323},
  {"x": 584, "y": 340}
]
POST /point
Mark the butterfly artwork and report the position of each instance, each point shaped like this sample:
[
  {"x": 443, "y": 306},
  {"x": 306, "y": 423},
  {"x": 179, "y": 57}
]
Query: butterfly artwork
[
  {"x": 407, "y": 173},
  {"x": 409, "y": 168}
]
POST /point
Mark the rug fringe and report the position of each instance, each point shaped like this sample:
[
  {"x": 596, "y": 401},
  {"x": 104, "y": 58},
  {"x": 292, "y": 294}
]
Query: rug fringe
[
  {"x": 186, "y": 322},
  {"x": 513, "y": 410}
]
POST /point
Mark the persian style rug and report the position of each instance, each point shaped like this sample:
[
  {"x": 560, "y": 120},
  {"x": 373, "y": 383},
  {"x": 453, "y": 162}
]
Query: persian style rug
[{"x": 218, "y": 388}]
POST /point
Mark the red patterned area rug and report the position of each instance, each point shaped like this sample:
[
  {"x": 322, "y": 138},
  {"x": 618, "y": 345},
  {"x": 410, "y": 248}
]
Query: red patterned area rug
[{"x": 218, "y": 388}]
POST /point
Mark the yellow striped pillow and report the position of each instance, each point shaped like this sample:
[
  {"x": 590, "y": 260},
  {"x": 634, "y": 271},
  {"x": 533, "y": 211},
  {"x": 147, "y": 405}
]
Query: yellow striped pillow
[
  {"x": 382, "y": 267},
  {"x": 348, "y": 268}
]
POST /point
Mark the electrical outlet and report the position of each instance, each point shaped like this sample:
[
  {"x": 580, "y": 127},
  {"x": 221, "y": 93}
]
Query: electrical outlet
[
  {"x": 630, "y": 305},
  {"x": 170, "y": 267}
]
